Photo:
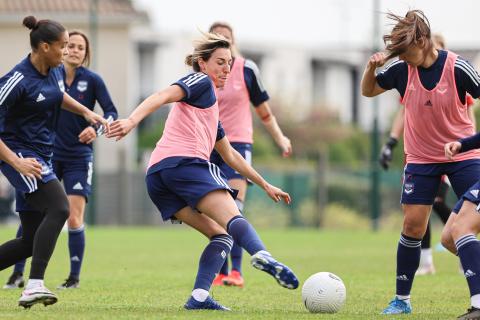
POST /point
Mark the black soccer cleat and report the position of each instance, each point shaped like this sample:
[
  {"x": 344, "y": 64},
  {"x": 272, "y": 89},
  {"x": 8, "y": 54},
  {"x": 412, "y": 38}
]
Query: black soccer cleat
[{"x": 70, "y": 283}]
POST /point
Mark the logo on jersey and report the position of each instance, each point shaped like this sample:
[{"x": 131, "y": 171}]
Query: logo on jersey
[
  {"x": 40, "y": 97},
  {"x": 61, "y": 85},
  {"x": 428, "y": 103},
  {"x": 82, "y": 86},
  {"x": 408, "y": 187},
  {"x": 77, "y": 186},
  {"x": 411, "y": 87}
]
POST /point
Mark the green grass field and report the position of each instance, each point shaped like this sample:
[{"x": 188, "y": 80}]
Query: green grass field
[{"x": 147, "y": 273}]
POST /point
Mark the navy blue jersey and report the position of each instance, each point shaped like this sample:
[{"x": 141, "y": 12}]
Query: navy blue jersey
[
  {"x": 395, "y": 75},
  {"x": 29, "y": 107},
  {"x": 254, "y": 84},
  {"x": 87, "y": 88}
]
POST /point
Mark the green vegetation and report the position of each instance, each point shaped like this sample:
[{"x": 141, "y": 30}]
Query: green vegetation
[{"x": 147, "y": 273}]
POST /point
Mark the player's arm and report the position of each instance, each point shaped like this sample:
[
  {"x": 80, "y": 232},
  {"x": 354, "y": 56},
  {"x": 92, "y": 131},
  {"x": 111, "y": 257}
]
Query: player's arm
[
  {"x": 386, "y": 153},
  {"x": 89, "y": 134},
  {"x": 237, "y": 162},
  {"x": 370, "y": 87},
  {"x": 74, "y": 106},
  {"x": 122, "y": 127},
  {"x": 270, "y": 122}
]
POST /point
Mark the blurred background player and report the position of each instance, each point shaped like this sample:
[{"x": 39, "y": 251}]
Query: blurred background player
[
  {"x": 243, "y": 87},
  {"x": 186, "y": 186},
  {"x": 433, "y": 85},
  {"x": 31, "y": 95},
  {"x": 440, "y": 206},
  {"x": 73, "y": 152}
]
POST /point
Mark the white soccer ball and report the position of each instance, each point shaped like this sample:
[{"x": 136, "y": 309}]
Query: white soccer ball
[{"x": 323, "y": 292}]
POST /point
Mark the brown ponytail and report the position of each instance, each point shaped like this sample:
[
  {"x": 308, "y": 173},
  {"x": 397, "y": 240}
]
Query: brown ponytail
[{"x": 413, "y": 29}]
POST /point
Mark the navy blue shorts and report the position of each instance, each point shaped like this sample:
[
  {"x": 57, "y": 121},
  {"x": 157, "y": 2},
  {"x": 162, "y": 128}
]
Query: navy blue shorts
[
  {"x": 421, "y": 181},
  {"x": 23, "y": 183},
  {"x": 472, "y": 195},
  {"x": 172, "y": 189},
  {"x": 76, "y": 175},
  {"x": 245, "y": 149}
]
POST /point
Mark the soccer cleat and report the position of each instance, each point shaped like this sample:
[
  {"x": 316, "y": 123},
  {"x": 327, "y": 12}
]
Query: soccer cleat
[
  {"x": 15, "y": 281},
  {"x": 39, "y": 294},
  {"x": 208, "y": 304},
  {"x": 284, "y": 276},
  {"x": 472, "y": 314},
  {"x": 234, "y": 279},
  {"x": 218, "y": 281},
  {"x": 397, "y": 306},
  {"x": 70, "y": 283},
  {"x": 425, "y": 270}
]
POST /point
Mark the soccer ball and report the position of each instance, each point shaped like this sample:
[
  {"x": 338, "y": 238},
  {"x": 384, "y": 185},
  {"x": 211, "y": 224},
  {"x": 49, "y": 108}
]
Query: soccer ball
[{"x": 323, "y": 292}]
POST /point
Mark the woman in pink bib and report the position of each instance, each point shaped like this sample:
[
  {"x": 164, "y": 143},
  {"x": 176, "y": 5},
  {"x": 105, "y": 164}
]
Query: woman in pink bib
[
  {"x": 433, "y": 84},
  {"x": 244, "y": 87},
  {"x": 186, "y": 186}
]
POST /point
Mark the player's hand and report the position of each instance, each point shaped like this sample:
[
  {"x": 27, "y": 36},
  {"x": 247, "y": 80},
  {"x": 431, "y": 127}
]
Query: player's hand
[
  {"x": 451, "y": 149},
  {"x": 88, "y": 135},
  {"x": 286, "y": 146},
  {"x": 97, "y": 120},
  {"x": 29, "y": 167},
  {"x": 277, "y": 194},
  {"x": 120, "y": 128},
  {"x": 386, "y": 154},
  {"x": 377, "y": 60}
]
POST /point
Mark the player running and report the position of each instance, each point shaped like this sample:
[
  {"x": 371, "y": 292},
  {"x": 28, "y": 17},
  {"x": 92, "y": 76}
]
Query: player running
[
  {"x": 433, "y": 85},
  {"x": 186, "y": 186}
]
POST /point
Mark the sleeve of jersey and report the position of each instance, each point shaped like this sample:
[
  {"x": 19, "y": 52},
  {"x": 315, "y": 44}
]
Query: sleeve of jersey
[
  {"x": 11, "y": 90},
  {"x": 103, "y": 97},
  {"x": 220, "y": 132},
  {"x": 388, "y": 78},
  {"x": 467, "y": 78},
  {"x": 198, "y": 90},
  {"x": 470, "y": 143},
  {"x": 254, "y": 83}
]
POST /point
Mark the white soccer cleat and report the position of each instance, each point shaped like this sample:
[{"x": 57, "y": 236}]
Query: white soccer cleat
[{"x": 39, "y": 294}]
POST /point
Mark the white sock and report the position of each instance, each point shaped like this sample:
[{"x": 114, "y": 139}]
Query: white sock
[
  {"x": 34, "y": 283},
  {"x": 475, "y": 299},
  {"x": 426, "y": 258},
  {"x": 404, "y": 298},
  {"x": 200, "y": 294}
]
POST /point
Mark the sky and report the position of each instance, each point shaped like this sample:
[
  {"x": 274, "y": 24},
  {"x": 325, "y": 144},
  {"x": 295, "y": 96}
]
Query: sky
[{"x": 313, "y": 23}]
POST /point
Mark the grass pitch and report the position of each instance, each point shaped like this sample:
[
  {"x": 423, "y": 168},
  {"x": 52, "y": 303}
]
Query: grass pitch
[{"x": 148, "y": 273}]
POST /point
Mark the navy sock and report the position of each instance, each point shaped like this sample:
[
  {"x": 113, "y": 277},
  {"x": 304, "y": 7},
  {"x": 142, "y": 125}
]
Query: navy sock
[
  {"x": 20, "y": 265},
  {"x": 76, "y": 246},
  {"x": 236, "y": 255},
  {"x": 408, "y": 260},
  {"x": 244, "y": 235},
  {"x": 224, "y": 268},
  {"x": 468, "y": 248},
  {"x": 212, "y": 260}
]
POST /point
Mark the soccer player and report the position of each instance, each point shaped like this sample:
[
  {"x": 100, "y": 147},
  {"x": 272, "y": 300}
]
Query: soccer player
[
  {"x": 439, "y": 205},
  {"x": 73, "y": 152},
  {"x": 186, "y": 186},
  {"x": 31, "y": 95},
  {"x": 243, "y": 87},
  {"x": 433, "y": 85}
]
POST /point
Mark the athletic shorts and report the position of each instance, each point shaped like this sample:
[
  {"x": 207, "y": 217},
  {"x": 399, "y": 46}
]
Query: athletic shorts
[
  {"x": 245, "y": 149},
  {"x": 76, "y": 175},
  {"x": 172, "y": 189},
  {"x": 25, "y": 184},
  {"x": 421, "y": 181}
]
